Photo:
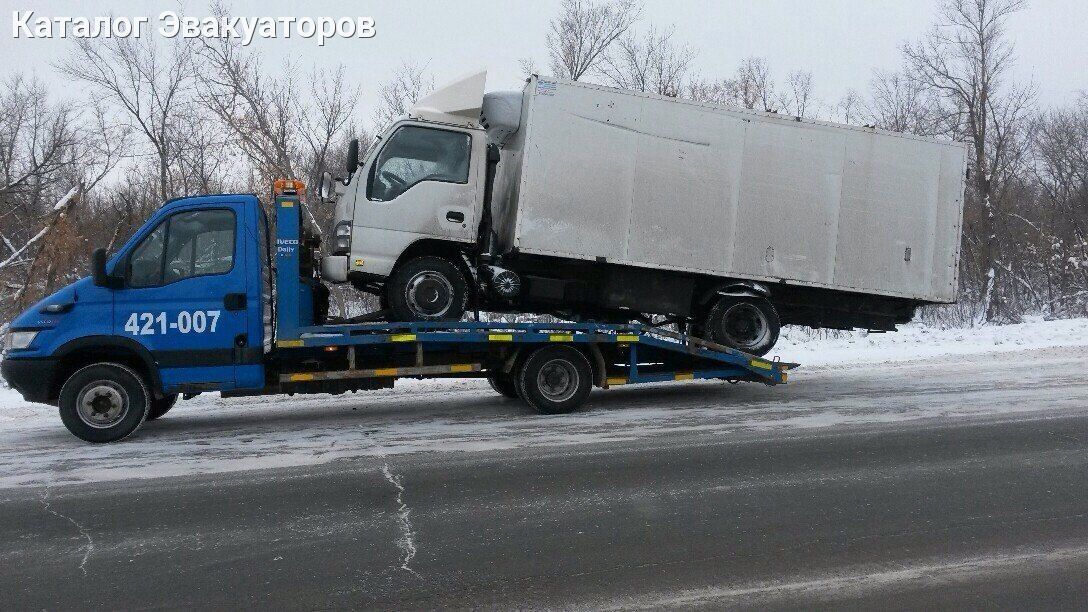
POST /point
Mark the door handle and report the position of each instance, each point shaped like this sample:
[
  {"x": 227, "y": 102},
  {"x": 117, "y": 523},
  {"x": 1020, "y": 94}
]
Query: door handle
[
  {"x": 234, "y": 301},
  {"x": 455, "y": 217}
]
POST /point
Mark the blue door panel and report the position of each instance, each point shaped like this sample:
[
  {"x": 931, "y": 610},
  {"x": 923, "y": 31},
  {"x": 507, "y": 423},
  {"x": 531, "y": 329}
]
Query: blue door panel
[{"x": 180, "y": 313}]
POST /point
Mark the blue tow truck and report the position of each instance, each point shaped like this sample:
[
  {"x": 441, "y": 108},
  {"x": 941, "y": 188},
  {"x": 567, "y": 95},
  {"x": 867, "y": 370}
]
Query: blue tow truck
[{"x": 210, "y": 295}]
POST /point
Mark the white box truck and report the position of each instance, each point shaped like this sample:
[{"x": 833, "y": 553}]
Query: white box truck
[{"x": 594, "y": 203}]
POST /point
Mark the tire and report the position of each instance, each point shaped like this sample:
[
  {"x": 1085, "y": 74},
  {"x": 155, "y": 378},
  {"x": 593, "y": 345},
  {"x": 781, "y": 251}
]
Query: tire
[
  {"x": 504, "y": 384},
  {"x": 748, "y": 324},
  {"x": 427, "y": 289},
  {"x": 104, "y": 402},
  {"x": 161, "y": 406},
  {"x": 555, "y": 379}
]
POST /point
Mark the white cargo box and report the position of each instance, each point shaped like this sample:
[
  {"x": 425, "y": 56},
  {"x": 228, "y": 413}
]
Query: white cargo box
[{"x": 644, "y": 180}]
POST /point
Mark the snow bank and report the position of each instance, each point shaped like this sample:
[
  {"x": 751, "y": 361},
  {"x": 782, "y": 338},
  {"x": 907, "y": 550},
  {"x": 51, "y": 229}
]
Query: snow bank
[{"x": 918, "y": 341}]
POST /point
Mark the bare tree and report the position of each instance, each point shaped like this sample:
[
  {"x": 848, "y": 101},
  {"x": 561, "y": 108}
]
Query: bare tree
[
  {"x": 149, "y": 84},
  {"x": 651, "y": 63},
  {"x": 52, "y": 156},
  {"x": 583, "y": 32},
  {"x": 1061, "y": 170},
  {"x": 752, "y": 86},
  {"x": 260, "y": 111},
  {"x": 964, "y": 61},
  {"x": 396, "y": 96},
  {"x": 902, "y": 104},
  {"x": 797, "y": 98},
  {"x": 712, "y": 92},
  {"x": 33, "y": 134}
]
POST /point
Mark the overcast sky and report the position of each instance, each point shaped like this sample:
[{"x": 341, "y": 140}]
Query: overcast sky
[{"x": 839, "y": 41}]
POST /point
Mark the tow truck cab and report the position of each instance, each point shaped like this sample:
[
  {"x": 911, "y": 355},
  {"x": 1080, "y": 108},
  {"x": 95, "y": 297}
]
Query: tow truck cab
[{"x": 184, "y": 303}]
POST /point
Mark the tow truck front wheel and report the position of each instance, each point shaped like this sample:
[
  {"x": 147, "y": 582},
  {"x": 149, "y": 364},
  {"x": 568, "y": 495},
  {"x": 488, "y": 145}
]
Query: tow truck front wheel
[
  {"x": 161, "y": 406},
  {"x": 555, "y": 379},
  {"x": 104, "y": 402}
]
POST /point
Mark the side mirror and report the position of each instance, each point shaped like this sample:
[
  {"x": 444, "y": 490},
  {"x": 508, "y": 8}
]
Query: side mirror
[
  {"x": 98, "y": 268},
  {"x": 353, "y": 156},
  {"x": 326, "y": 189}
]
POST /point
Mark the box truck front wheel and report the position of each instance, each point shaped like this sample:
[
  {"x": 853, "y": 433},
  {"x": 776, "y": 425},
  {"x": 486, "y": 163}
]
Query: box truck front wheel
[
  {"x": 746, "y": 323},
  {"x": 104, "y": 402},
  {"x": 555, "y": 379},
  {"x": 427, "y": 289}
]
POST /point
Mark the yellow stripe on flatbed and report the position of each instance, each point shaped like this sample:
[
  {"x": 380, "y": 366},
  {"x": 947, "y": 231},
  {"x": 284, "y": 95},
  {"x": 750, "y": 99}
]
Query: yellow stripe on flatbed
[
  {"x": 683, "y": 376},
  {"x": 461, "y": 367},
  {"x": 626, "y": 338},
  {"x": 500, "y": 337},
  {"x": 289, "y": 343},
  {"x": 560, "y": 338},
  {"x": 402, "y": 338},
  {"x": 385, "y": 372},
  {"x": 301, "y": 377},
  {"x": 761, "y": 364},
  {"x": 612, "y": 382}
]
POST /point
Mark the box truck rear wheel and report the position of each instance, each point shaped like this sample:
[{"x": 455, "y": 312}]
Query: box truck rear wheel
[
  {"x": 746, "y": 323},
  {"x": 427, "y": 289},
  {"x": 555, "y": 379},
  {"x": 504, "y": 384},
  {"x": 104, "y": 402}
]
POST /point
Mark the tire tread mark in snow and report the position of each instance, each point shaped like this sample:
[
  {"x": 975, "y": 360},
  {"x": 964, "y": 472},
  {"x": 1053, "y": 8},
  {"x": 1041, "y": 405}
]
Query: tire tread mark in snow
[
  {"x": 406, "y": 542},
  {"x": 89, "y": 547}
]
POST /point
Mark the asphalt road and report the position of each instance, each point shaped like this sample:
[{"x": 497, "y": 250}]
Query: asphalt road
[{"x": 950, "y": 511}]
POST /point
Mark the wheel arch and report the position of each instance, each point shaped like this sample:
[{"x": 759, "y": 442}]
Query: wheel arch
[
  {"x": 740, "y": 288},
  {"x": 435, "y": 247},
  {"x": 513, "y": 362},
  {"x": 84, "y": 351}
]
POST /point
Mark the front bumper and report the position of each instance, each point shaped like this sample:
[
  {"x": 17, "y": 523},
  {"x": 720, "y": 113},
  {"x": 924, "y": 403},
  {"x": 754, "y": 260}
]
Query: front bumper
[
  {"x": 334, "y": 268},
  {"x": 32, "y": 377}
]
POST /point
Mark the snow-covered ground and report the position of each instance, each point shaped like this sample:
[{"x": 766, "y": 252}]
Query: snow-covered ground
[
  {"x": 920, "y": 372},
  {"x": 917, "y": 341}
]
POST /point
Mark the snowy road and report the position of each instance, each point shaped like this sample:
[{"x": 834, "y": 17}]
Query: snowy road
[{"x": 951, "y": 480}]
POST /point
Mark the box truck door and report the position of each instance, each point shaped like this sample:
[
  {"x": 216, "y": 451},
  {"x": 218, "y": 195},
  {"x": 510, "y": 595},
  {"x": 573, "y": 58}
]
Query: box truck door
[
  {"x": 418, "y": 185},
  {"x": 184, "y": 296}
]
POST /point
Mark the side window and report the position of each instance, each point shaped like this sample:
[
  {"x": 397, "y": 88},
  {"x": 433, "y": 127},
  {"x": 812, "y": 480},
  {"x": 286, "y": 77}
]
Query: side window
[
  {"x": 187, "y": 244},
  {"x": 145, "y": 263},
  {"x": 414, "y": 154}
]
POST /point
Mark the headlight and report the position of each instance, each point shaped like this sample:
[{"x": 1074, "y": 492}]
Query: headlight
[
  {"x": 342, "y": 238},
  {"x": 18, "y": 340}
]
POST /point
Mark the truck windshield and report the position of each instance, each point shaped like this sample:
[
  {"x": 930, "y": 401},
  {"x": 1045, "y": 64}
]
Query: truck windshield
[{"x": 414, "y": 154}]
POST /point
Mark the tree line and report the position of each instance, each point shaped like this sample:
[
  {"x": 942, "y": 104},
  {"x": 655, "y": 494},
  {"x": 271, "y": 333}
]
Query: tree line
[{"x": 160, "y": 121}]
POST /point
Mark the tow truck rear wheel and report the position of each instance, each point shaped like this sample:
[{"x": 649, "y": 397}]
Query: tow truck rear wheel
[
  {"x": 161, "y": 406},
  {"x": 555, "y": 379},
  {"x": 104, "y": 402},
  {"x": 427, "y": 289},
  {"x": 504, "y": 384}
]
